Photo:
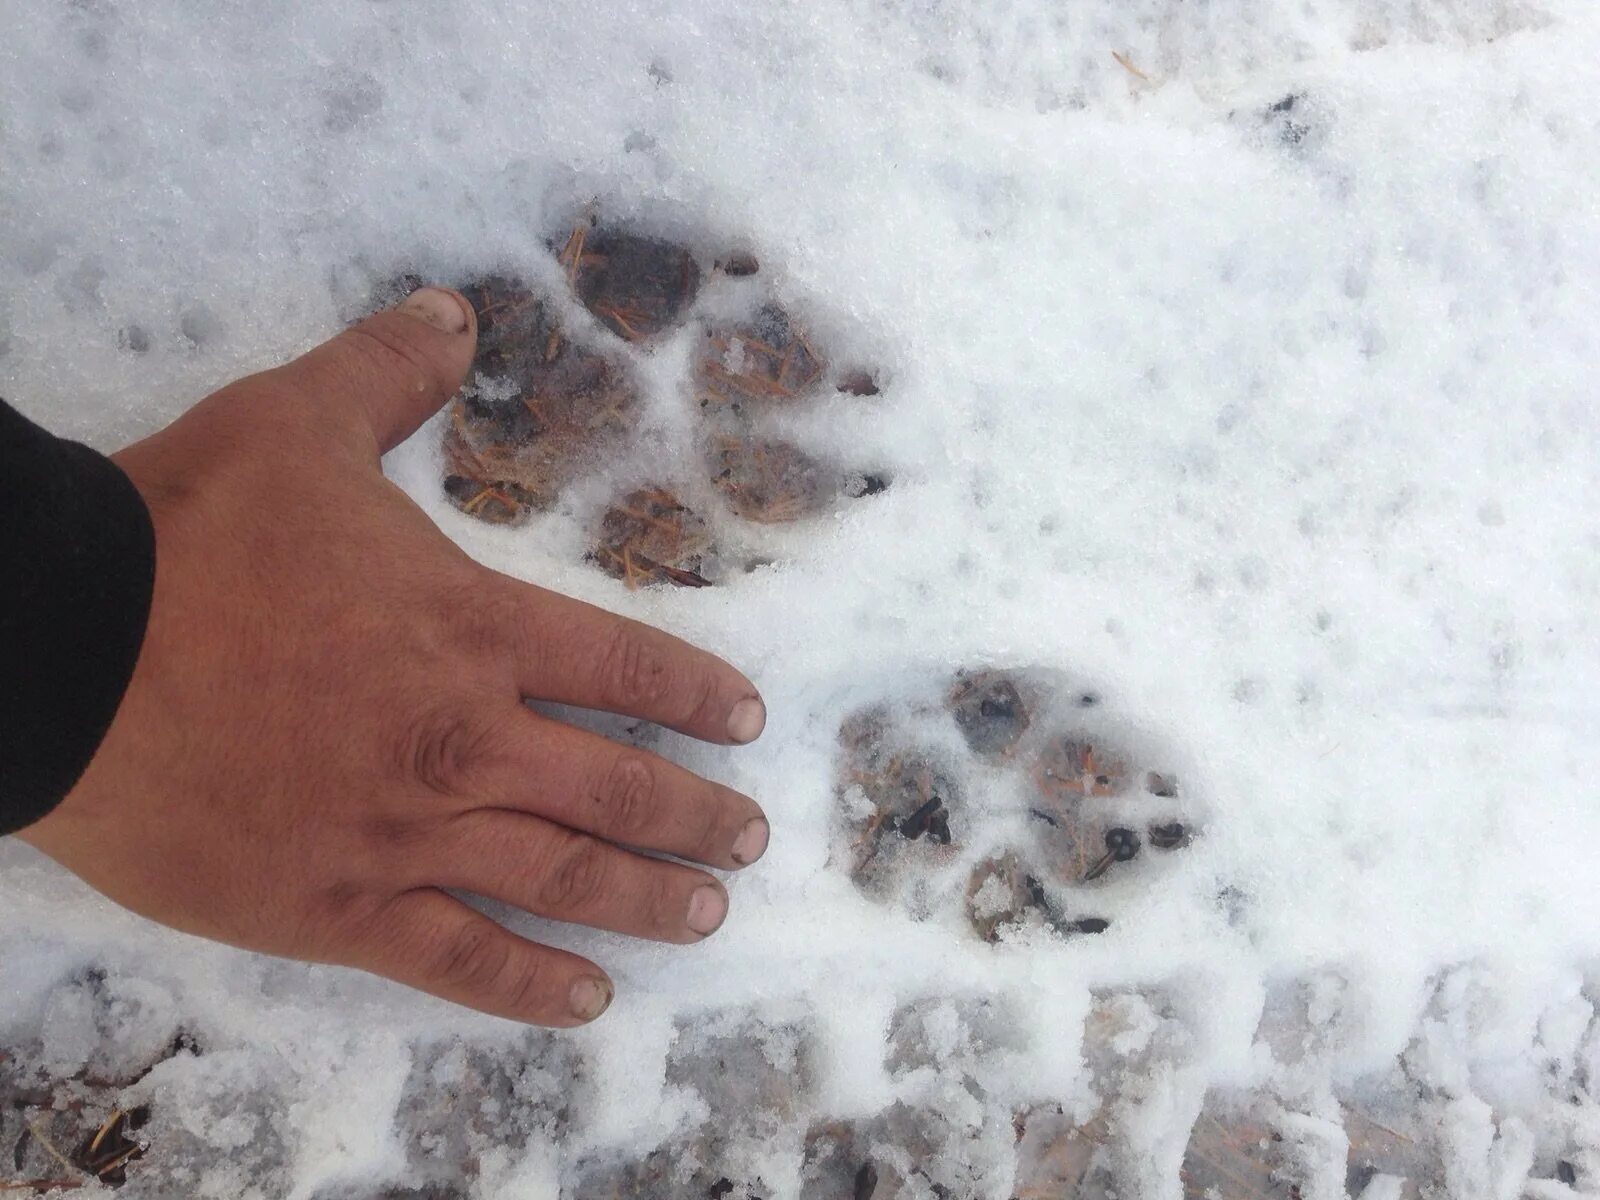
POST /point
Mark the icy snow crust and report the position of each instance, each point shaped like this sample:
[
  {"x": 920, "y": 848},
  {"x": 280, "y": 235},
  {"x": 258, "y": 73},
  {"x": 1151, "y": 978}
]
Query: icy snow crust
[{"x": 1271, "y": 423}]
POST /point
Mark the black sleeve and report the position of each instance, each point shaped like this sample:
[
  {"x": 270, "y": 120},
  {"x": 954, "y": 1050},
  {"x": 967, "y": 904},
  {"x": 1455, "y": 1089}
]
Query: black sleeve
[{"x": 77, "y": 566}]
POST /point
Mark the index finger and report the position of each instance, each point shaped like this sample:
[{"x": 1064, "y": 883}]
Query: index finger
[{"x": 573, "y": 653}]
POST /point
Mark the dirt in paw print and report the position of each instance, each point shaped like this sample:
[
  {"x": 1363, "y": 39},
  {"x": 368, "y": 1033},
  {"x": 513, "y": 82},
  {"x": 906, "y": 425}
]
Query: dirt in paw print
[
  {"x": 536, "y": 406},
  {"x": 650, "y": 537},
  {"x": 554, "y": 399},
  {"x": 1014, "y": 796},
  {"x": 638, "y": 287},
  {"x": 761, "y": 364},
  {"x": 746, "y": 372},
  {"x": 898, "y": 800}
]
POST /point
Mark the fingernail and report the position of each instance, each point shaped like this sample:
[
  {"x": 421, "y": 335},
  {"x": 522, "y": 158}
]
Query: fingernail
[
  {"x": 589, "y": 998},
  {"x": 437, "y": 307},
  {"x": 707, "y": 907},
  {"x": 751, "y": 843},
  {"x": 747, "y": 720}
]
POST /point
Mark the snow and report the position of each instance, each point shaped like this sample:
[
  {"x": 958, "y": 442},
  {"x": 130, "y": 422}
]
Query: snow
[{"x": 1270, "y": 423}]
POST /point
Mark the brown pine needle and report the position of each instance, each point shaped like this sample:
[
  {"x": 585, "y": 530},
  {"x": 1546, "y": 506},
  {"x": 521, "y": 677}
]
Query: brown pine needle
[
  {"x": 1128, "y": 66},
  {"x": 472, "y": 506},
  {"x": 684, "y": 578},
  {"x": 752, "y": 383},
  {"x": 50, "y": 1147},
  {"x": 664, "y": 523},
  {"x": 628, "y": 331},
  {"x": 1391, "y": 1132},
  {"x": 805, "y": 345},
  {"x": 120, "y": 1159},
  {"x": 104, "y": 1129},
  {"x": 41, "y": 1185},
  {"x": 747, "y": 342},
  {"x": 574, "y": 249}
]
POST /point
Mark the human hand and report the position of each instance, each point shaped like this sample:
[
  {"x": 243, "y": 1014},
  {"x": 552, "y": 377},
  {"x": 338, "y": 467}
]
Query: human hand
[{"x": 326, "y": 725}]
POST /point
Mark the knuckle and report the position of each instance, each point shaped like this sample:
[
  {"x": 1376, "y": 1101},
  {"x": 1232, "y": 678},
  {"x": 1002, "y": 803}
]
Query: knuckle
[
  {"x": 669, "y": 900},
  {"x": 389, "y": 355},
  {"x": 400, "y": 839},
  {"x": 579, "y": 878},
  {"x": 707, "y": 695},
  {"x": 634, "y": 672},
  {"x": 474, "y": 958},
  {"x": 528, "y": 990},
  {"x": 665, "y": 908},
  {"x": 489, "y": 627},
  {"x": 710, "y": 842},
  {"x": 343, "y": 916},
  {"x": 441, "y": 749},
  {"x": 628, "y": 795}
]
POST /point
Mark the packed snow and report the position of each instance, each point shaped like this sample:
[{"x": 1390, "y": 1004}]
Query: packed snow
[{"x": 1236, "y": 371}]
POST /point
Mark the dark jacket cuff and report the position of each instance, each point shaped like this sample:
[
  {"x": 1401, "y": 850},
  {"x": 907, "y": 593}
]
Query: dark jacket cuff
[{"x": 77, "y": 569}]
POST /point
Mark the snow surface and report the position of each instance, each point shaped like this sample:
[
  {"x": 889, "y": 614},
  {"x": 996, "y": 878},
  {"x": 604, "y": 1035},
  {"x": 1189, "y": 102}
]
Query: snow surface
[{"x": 1273, "y": 425}]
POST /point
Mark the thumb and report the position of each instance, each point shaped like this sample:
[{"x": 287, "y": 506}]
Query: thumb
[{"x": 395, "y": 369}]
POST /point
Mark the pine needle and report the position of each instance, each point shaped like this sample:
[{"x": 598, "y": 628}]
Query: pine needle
[{"x": 1127, "y": 65}]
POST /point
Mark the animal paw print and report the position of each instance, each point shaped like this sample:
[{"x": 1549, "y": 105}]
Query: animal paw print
[
  {"x": 536, "y": 406},
  {"x": 551, "y": 400},
  {"x": 1068, "y": 803}
]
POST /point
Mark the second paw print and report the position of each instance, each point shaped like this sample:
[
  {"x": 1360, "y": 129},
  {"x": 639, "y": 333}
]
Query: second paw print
[
  {"x": 1017, "y": 797},
  {"x": 553, "y": 402}
]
